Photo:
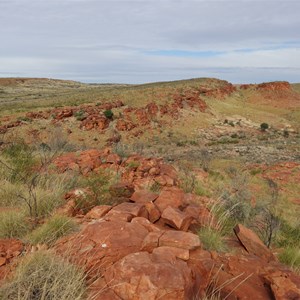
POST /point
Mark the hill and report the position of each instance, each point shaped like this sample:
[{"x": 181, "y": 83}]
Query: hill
[{"x": 171, "y": 190}]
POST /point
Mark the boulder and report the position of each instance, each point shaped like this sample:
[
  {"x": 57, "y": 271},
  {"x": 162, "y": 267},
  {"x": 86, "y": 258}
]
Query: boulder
[
  {"x": 98, "y": 212},
  {"x": 147, "y": 276},
  {"x": 180, "y": 239},
  {"x": 176, "y": 218},
  {"x": 143, "y": 196},
  {"x": 252, "y": 242},
  {"x": 172, "y": 196}
]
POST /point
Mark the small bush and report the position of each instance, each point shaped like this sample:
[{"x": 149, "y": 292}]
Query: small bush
[
  {"x": 212, "y": 239},
  {"x": 13, "y": 224},
  {"x": 108, "y": 114},
  {"x": 97, "y": 185},
  {"x": 49, "y": 232},
  {"x": 264, "y": 126},
  {"x": 80, "y": 115},
  {"x": 291, "y": 256},
  {"x": 45, "y": 276},
  {"x": 20, "y": 160}
]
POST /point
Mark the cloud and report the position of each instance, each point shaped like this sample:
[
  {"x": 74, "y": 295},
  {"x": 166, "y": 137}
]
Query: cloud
[{"x": 141, "y": 41}]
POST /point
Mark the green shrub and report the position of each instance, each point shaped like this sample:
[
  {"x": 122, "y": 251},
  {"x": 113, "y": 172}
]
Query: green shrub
[
  {"x": 97, "y": 185},
  {"x": 108, "y": 114},
  {"x": 212, "y": 239},
  {"x": 264, "y": 126},
  {"x": 80, "y": 115},
  {"x": 20, "y": 161},
  {"x": 43, "y": 276},
  {"x": 13, "y": 224},
  {"x": 52, "y": 230}
]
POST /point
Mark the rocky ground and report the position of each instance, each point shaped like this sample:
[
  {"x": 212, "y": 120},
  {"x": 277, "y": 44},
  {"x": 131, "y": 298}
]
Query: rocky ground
[{"x": 143, "y": 241}]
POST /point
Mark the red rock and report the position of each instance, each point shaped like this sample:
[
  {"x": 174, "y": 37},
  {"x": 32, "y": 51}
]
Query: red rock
[
  {"x": 69, "y": 209},
  {"x": 121, "y": 190},
  {"x": 145, "y": 276},
  {"x": 151, "y": 241},
  {"x": 252, "y": 242},
  {"x": 2, "y": 261},
  {"x": 114, "y": 159},
  {"x": 123, "y": 125},
  {"x": 282, "y": 286},
  {"x": 171, "y": 253},
  {"x": 113, "y": 215},
  {"x": 143, "y": 196},
  {"x": 165, "y": 180},
  {"x": 100, "y": 244},
  {"x": 135, "y": 209},
  {"x": 98, "y": 212},
  {"x": 179, "y": 239},
  {"x": 153, "y": 212},
  {"x": 169, "y": 197},
  {"x": 169, "y": 171},
  {"x": 176, "y": 218},
  {"x": 146, "y": 223}
]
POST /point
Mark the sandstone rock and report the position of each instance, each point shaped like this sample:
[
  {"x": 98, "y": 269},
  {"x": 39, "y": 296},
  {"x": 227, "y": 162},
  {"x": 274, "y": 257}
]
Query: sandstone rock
[
  {"x": 121, "y": 190},
  {"x": 153, "y": 212},
  {"x": 179, "y": 239},
  {"x": 151, "y": 241},
  {"x": 282, "y": 286},
  {"x": 141, "y": 276},
  {"x": 252, "y": 242},
  {"x": 169, "y": 197},
  {"x": 146, "y": 223},
  {"x": 135, "y": 209},
  {"x": 143, "y": 196},
  {"x": 171, "y": 253},
  {"x": 102, "y": 243},
  {"x": 98, "y": 212},
  {"x": 113, "y": 159},
  {"x": 176, "y": 218}
]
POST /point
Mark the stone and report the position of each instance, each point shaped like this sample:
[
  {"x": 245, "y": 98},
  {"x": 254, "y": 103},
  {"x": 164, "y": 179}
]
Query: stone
[
  {"x": 101, "y": 244},
  {"x": 135, "y": 209},
  {"x": 143, "y": 196},
  {"x": 169, "y": 197},
  {"x": 176, "y": 218},
  {"x": 171, "y": 253},
  {"x": 98, "y": 212},
  {"x": 146, "y": 276},
  {"x": 180, "y": 239},
  {"x": 252, "y": 242},
  {"x": 282, "y": 286},
  {"x": 121, "y": 190},
  {"x": 151, "y": 241},
  {"x": 153, "y": 212}
]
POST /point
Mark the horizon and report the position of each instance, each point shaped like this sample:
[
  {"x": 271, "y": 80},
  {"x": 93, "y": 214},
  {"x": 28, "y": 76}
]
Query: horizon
[{"x": 138, "y": 42}]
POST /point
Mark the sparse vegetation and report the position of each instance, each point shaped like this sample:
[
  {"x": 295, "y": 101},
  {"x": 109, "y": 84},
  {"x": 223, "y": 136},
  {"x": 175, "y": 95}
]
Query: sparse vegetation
[
  {"x": 54, "y": 228},
  {"x": 212, "y": 239},
  {"x": 42, "y": 275}
]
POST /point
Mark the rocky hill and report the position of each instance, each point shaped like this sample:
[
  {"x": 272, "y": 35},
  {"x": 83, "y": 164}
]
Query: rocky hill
[{"x": 175, "y": 190}]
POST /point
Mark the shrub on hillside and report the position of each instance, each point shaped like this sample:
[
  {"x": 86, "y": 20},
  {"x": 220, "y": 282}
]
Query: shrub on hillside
[
  {"x": 264, "y": 126},
  {"x": 108, "y": 114}
]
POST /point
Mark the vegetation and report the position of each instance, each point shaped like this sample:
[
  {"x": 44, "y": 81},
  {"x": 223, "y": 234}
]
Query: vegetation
[
  {"x": 44, "y": 276},
  {"x": 212, "y": 239},
  {"x": 56, "y": 227}
]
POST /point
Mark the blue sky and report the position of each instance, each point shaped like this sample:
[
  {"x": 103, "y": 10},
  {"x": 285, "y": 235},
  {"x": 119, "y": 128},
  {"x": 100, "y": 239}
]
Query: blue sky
[{"x": 150, "y": 40}]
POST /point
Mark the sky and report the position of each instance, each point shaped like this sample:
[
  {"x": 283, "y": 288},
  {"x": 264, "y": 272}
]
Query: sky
[{"x": 242, "y": 41}]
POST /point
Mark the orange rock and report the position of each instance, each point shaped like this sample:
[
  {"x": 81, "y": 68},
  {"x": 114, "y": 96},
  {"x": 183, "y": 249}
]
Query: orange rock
[
  {"x": 153, "y": 212},
  {"x": 176, "y": 218},
  {"x": 171, "y": 253},
  {"x": 147, "y": 276},
  {"x": 252, "y": 242},
  {"x": 170, "y": 197},
  {"x": 180, "y": 239},
  {"x": 98, "y": 212},
  {"x": 143, "y": 196}
]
